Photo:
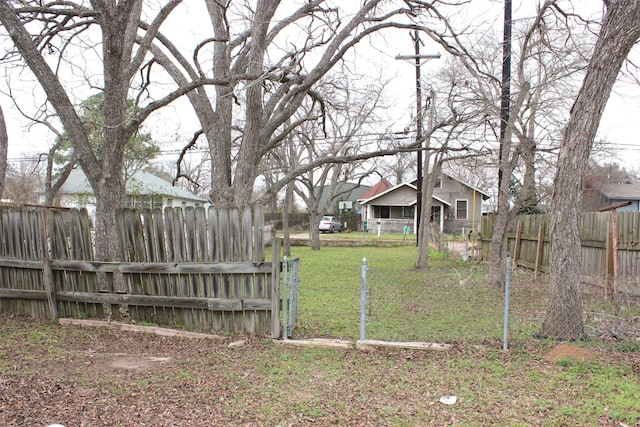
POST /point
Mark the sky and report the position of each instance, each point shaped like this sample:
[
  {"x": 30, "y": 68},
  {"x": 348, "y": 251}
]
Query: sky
[{"x": 619, "y": 125}]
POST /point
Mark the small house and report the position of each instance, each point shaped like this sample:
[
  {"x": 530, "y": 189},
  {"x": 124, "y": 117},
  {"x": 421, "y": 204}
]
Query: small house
[
  {"x": 456, "y": 207},
  {"x": 622, "y": 197}
]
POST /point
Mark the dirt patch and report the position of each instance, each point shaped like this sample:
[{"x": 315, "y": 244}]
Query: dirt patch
[
  {"x": 136, "y": 362},
  {"x": 567, "y": 351}
]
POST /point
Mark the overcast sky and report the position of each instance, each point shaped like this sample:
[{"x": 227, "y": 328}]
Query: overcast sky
[{"x": 619, "y": 126}]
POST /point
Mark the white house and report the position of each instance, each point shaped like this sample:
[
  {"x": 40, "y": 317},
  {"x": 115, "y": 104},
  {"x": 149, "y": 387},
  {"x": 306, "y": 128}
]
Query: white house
[
  {"x": 143, "y": 189},
  {"x": 456, "y": 206}
]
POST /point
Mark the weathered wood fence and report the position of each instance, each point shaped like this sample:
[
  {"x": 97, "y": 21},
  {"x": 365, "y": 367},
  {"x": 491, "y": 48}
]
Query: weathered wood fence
[
  {"x": 193, "y": 268},
  {"x": 610, "y": 246}
]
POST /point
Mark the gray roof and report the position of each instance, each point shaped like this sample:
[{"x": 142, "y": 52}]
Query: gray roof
[
  {"x": 142, "y": 183},
  {"x": 621, "y": 191}
]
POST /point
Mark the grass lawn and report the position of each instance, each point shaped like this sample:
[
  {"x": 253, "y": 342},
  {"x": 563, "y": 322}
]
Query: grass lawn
[
  {"x": 103, "y": 377},
  {"x": 449, "y": 302}
]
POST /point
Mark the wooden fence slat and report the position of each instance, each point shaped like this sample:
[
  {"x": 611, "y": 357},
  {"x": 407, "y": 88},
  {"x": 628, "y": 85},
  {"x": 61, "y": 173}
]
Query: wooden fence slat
[
  {"x": 205, "y": 288},
  {"x": 275, "y": 289},
  {"x": 516, "y": 248},
  {"x": 226, "y": 286},
  {"x": 181, "y": 266},
  {"x": 236, "y": 254},
  {"x": 214, "y": 256},
  {"x": 246, "y": 249},
  {"x": 539, "y": 249},
  {"x": 162, "y": 282}
]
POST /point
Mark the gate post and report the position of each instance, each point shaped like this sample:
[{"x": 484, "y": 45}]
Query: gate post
[
  {"x": 275, "y": 289},
  {"x": 285, "y": 297}
]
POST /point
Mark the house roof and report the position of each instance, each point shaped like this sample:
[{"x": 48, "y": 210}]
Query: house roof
[
  {"x": 142, "y": 183},
  {"x": 484, "y": 195},
  {"x": 394, "y": 188},
  {"x": 382, "y": 186},
  {"x": 621, "y": 191}
]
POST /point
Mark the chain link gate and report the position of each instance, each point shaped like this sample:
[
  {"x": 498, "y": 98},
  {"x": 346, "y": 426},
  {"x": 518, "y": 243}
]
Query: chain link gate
[{"x": 290, "y": 282}]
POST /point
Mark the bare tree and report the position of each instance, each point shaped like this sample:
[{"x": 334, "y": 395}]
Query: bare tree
[
  {"x": 4, "y": 148},
  {"x": 618, "y": 34},
  {"x": 548, "y": 54},
  {"x": 55, "y": 27},
  {"x": 445, "y": 143},
  {"x": 271, "y": 69},
  {"x": 347, "y": 112},
  {"x": 400, "y": 167},
  {"x": 23, "y": 181}
]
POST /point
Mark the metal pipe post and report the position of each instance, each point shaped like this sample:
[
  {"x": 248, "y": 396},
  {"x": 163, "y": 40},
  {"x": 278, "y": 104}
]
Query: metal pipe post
[
  {"x": 285, "y": 298},
  {"x": 363, "y": 301},
  {"x": 507, "y": 287}
]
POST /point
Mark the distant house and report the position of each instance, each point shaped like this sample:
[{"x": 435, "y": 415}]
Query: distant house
[
  {"x": 456, "y": 206},
  {"x": 344, "y": 191},
  {"x": 143, "y": 189},
  {"x": 625, "y": 197}
]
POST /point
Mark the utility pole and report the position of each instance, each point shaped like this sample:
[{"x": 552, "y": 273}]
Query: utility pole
[
  {"x": 417, "y": 57},
  {"x": 505, "y": 98}
]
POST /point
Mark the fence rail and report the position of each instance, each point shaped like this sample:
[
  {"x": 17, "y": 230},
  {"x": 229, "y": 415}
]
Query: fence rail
[{"x": 193, "y": 268}]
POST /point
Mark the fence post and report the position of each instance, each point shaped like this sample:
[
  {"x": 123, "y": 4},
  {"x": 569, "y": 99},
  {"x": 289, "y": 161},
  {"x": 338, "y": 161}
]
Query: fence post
[
  {"x": 506, "y": 303},
  {"x": 275, "y": 289},
  {"x": 47, "y": 273},
  {"x": 363, "y": 301},
  {"x": 539, "y": 250},
  {"x": 516, "y": 245},
  {"x": 614, "y": 254}
]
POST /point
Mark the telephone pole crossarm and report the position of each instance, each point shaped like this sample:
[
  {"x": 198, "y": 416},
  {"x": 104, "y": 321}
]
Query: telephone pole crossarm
[{"x": 427, "y": 56}]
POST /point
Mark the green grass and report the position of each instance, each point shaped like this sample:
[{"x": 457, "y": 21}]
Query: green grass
[{"x": 448, "y": 302}]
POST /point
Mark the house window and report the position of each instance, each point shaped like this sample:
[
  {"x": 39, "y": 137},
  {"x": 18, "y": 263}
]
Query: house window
[
  {"x": 438, "y": 183},
  {"x": 461, "y": 209},
  {"x": 381, "y": 211},
  {"x": 408, "y": 211}
]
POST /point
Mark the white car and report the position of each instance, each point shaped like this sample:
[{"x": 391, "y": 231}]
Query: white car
[{"x": 329, "y": 224}]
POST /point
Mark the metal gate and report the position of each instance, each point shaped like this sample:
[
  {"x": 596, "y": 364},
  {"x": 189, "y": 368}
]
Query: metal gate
[{"x": 290, "y": 282}]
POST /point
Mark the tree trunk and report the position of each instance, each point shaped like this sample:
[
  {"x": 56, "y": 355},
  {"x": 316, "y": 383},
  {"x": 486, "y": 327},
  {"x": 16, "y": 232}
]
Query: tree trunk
[
  {"x": 428, "y": 182},
  {"x": 618, "y": 34},
  {"x": 498, "y": 250},
  {"x": 4, "y": 148},
  {"x": 286, "y": 209},
  {"x": 107, "y": 245},
  {"x": 314, "y": 221}
]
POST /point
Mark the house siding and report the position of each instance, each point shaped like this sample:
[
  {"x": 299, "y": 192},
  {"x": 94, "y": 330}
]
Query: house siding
[
  {"x": 453, "y": 190},
  {"x": 389, "y": 209}
]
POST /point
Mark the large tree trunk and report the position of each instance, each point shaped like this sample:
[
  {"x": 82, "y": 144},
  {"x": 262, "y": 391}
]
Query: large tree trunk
[
  {"x": 4, "y": 148},
  {"x": 107, "y": 246},
  {"x": 218, "y": 130},
  {"x": 619, "y": 32}
]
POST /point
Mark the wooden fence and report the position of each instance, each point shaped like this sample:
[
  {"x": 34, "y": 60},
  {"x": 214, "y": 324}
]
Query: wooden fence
[
  {"x": 610, "y": 246},
  {"x": 193, "y": 268}
]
